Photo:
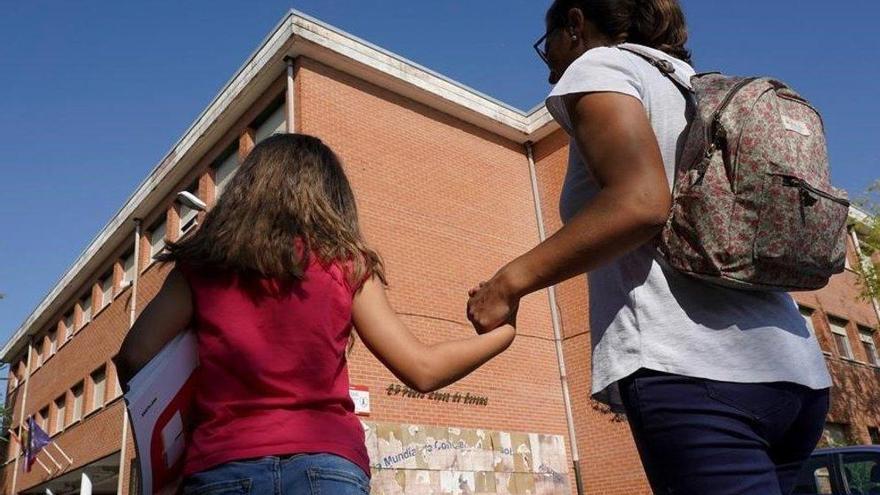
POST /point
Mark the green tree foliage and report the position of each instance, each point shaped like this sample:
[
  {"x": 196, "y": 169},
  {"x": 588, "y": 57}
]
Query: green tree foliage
[{"x": 870, "y": 242}]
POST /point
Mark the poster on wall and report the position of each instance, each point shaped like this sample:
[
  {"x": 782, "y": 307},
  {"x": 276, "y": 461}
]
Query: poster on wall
[
  {"x": 361, "y": 397},
  {"x": 410, "y": 459}
]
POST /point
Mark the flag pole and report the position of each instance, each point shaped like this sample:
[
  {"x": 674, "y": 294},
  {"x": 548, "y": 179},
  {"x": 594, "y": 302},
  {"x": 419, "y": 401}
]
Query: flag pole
[
  {"x": 57, "y": 464},
  {"x": 42, "y": 465},
  {"x": 66, "y": 457},
  {"x": 18, "y": 441},
  {"x": 52, "y": 459}
]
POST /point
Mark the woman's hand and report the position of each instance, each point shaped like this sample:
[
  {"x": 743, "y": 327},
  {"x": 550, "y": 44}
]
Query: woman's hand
[
  {"x": 613, "y": 134},
  {"x": 493, "y": 304},
  {"x": 420, "y": 366}
]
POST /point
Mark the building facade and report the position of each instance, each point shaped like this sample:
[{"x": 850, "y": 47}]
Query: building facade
[{"x": 450, "y": 185}]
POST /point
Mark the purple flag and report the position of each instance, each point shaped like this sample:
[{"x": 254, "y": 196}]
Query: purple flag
[{"x": 35, "y": 440}]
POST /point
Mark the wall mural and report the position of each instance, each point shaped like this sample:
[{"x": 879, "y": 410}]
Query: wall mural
[{"x": 435, "y": 460}]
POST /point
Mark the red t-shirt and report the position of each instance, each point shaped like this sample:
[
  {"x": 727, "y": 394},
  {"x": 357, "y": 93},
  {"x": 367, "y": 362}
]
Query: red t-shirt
[{"x": 273, "y": 378}]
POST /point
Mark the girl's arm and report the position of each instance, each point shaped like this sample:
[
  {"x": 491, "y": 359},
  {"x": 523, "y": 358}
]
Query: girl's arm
[
  {"x": 420, "y": 366},
  {"x": 163, "y": 318},
  {"x": 615, "y": 137}
]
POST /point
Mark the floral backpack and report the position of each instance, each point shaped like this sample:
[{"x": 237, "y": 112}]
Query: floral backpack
[{"x": 753, "y": 206}]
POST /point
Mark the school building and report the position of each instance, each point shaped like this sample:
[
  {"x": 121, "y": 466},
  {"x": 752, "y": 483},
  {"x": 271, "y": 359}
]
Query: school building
[{"x": 450, "y": 184}]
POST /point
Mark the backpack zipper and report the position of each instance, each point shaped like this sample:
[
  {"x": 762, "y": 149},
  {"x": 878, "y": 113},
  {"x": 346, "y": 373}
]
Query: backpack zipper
[
  {"x": 804, "y": 194},
  {"x": 716, "y": 118},
  {"x": 792, "y": 181},
  {"x": 712, "y": 131}
]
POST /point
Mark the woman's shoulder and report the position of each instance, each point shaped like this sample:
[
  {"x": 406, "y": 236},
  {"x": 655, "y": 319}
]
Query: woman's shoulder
[
  {"x": 598, "y": 70},
  {"x": 610, "y": 58}
]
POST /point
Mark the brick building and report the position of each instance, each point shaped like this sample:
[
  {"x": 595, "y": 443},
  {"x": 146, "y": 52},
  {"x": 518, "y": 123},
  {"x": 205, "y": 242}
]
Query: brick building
[{"x": 450, "y": 185}]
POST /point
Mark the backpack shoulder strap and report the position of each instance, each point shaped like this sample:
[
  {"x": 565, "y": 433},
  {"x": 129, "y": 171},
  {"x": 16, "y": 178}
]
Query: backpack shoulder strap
[{"x": 664, "y": 66}]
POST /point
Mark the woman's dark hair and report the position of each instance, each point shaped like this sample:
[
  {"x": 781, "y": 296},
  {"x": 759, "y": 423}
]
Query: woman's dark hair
[
  {"x": 658, "y": 24},
  {"x": 289, "y": 199}
]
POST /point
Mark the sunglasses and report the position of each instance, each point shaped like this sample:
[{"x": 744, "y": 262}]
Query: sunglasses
[{"x": 540, "y": 46}]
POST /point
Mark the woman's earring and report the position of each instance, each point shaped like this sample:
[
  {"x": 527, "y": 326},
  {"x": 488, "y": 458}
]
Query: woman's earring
[{"x": 574, "y": 37}]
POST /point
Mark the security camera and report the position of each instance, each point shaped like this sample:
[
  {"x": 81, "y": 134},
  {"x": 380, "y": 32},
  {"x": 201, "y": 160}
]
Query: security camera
[{"x": 190, "y": 200}]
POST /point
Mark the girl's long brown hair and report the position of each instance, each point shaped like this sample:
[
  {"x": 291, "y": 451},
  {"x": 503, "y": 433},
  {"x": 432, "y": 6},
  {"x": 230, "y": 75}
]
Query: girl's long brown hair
[{"x": 291, "y": 189}]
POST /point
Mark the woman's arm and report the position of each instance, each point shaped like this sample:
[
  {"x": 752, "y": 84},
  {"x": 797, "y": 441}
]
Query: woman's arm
[
  {"x": 163, "y": 318},
  {"x": 614, "y": 136},
  {"x": 420, "y": 366}
]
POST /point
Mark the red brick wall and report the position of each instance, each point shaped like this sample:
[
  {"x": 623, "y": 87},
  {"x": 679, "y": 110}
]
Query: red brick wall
[
  {"x": 446, "y": 204},
  {"x": 856, "y": 393}
]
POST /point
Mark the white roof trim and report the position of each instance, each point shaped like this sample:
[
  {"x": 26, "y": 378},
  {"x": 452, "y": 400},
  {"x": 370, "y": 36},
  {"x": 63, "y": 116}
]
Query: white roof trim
[{"x": 858, "y": 215}]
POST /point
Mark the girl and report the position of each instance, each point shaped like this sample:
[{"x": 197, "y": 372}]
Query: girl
[
  {"x": 272, "y": 284},
  {"x": 725, "y": 391}
]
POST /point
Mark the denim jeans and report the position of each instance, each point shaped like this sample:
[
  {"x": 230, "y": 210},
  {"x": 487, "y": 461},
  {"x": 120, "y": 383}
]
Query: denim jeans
[
  {"x": 301, "y": 474},
  {"x": 698, "y": 436}
]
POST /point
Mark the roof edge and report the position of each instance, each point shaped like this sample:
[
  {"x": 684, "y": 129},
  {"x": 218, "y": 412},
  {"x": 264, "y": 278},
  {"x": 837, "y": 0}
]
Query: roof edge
[{"x": 521, "y": 126}]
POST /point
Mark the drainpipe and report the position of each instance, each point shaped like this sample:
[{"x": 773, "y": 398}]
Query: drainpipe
[
  {"x": 291, "y": 97},
  {"x": 557, "y": 332},
  {"x": 131, "y": 318},
  {"x": 27, "y": 383},
  {"x": 863, "y": 262}
]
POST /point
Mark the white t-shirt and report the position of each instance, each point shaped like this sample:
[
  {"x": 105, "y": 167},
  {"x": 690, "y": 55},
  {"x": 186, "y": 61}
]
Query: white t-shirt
[{"x": 645, "y": 315}]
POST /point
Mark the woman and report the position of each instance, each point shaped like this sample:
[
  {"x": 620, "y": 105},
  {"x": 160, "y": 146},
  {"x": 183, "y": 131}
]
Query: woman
[
  {"x": 725, "y": 391},
  {"x": 272, "y": 284}
]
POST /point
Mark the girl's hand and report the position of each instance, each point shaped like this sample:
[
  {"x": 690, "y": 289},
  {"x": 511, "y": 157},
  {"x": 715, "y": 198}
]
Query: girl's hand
[
  {"x": 492, "y": 304},
  {"x": 420, "y": 366}
]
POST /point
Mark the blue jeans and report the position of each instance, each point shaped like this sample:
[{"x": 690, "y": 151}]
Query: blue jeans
[
  {"x": 300, "y": 474},
  {"x": 698, "y": 436}
]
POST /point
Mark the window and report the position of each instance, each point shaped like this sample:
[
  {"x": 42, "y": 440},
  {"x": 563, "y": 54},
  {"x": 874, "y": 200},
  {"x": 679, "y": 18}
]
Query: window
[
  {"x": 107, "y": 289},
  {"x": 815, "y": 477},
  {"x": 68, "y": 326},
  {"x": 128, "y": 269},
  {"x": 807, "y": 313},
  {"x": 77, "y": 403},
  {"x": 53, "y": 341},
  {"x": 867, "y": 337},
  {"x": 134, "y": 486},
  {"x": 274, "y": 123},
  {"x": 117, "y": 387},
  {"x": 86, "y": 305},
  {"x": 841, "y": 339},
  {"x": 38, "y": 351},
  {"x": 157, "y": 238},
  {"x": 43, "y": 418},
  {"x": 59, "y": 414},
  {"x": 14, "y": 448},
  {"x": 834, "y": 435},
  {"x": 16, "y": 372},
  {"x": 225, "y": 171},
  {"x": 857, "y": 467},
  {"x": 847, "y": 263},
  {"x": 874, "y": 433},
  {"x": 189, "y": 216},
  {"x": 99, "y": 387}
]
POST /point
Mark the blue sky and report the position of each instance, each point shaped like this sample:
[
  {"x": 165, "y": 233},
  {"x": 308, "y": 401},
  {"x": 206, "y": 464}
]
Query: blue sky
[{"x": 93, "y": 94}]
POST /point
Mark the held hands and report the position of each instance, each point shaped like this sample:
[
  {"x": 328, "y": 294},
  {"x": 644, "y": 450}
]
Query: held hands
[{"x": 492, "y": 304}]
